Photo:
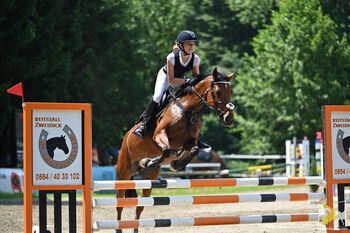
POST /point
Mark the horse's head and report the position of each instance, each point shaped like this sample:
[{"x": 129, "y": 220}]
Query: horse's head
[
  {"x": 220, "y": 96},
  {"x": 62, "y": 144}
]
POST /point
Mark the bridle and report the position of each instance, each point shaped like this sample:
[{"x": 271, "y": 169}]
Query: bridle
[{"x": 228, "y": 106}]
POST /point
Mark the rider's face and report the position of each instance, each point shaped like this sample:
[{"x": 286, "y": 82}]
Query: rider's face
[{"x": 189, "y": 46}]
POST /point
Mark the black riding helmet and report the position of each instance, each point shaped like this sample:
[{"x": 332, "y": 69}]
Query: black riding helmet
[{"x": 185, "y": 36}]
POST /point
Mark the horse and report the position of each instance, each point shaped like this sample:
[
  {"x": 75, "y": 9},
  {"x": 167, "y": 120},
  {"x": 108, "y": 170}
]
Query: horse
[
  {"x": 175, "y": 137},
  {"x": 56, "y": 142}
]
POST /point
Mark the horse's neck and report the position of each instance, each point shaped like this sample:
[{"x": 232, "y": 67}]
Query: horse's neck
[{"x": 194, "y": 100}]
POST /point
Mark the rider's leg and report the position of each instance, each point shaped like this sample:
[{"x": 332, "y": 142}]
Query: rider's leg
[
  {"x": 146, "y": 116},
  {"x": 160, "y": 87}
]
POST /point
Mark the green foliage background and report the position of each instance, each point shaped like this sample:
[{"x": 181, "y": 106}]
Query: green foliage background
[{"x": 292, "y": 56}]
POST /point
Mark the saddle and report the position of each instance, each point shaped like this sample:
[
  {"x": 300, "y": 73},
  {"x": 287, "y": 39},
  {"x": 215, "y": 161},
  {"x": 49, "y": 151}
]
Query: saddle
[{"x": 167, "y": 98}]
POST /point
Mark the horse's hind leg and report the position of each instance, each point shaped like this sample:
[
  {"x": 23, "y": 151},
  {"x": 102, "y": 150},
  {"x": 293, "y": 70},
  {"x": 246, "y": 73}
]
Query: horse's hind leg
[
  {"x": 146, "y": 193},
  {"x": 162, "y": 141},
  {"x": 180, "y": 165},
  {"x": 124, "y": 172}
]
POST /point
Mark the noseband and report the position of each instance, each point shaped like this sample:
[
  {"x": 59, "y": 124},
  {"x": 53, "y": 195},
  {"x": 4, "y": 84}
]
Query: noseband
[{"x": 228, "y": 106}]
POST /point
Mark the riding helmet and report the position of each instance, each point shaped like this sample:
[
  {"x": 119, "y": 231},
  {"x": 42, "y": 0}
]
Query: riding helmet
[{"x": 185, "y": 36}]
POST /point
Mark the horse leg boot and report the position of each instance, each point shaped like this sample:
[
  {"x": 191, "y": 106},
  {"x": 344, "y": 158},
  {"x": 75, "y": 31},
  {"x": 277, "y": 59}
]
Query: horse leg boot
[
  {"x": 180, "y": 165},
  {"x": 146, "y": 116},
  {"x": 155, "y": 162}
]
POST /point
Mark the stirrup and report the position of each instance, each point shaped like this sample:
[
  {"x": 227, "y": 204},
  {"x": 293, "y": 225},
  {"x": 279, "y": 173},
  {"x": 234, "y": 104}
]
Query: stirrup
[{"x": 140, "y": 131}]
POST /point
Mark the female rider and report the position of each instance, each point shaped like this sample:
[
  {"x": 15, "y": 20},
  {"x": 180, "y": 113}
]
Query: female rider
[{"x": 180, "y": 61}]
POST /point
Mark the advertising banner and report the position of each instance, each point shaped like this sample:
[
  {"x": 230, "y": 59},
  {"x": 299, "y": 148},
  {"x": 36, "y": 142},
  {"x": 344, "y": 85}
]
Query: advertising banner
[{"x": 57, "y": 147}]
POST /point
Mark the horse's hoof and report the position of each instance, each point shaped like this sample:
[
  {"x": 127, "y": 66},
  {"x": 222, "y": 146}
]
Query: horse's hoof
[
  {"x": 195, "y": 150},
  {"x": 143, "y": 162},
  {"x": 152, "y": 164},
  {"x": 118, "y": 231},
  {"x": 174, "y": 167},
  {"x": 136, "y": 230}
]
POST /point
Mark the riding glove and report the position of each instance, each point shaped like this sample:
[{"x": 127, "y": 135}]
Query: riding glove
[{"x": 191, "y": 81}]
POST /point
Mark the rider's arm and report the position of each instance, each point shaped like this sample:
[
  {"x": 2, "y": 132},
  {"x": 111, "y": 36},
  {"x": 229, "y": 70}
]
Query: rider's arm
[
  {"x": 196, "y": 63},
  {"x": 195, "y": 71},
  {"x": 174, "y": 81}
]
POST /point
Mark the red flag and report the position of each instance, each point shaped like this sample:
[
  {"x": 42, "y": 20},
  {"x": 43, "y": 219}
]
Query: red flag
[{"x": 16, "y": 90}]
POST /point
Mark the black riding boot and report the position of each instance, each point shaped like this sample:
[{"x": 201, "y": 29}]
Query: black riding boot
[
  {"x": 202, "y": 144},
  {"x": 146, "y": 116}
]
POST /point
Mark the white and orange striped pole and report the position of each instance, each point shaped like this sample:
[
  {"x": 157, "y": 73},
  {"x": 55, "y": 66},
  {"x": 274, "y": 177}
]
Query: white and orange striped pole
[
  {"x": 206, "y": 221},
  {"x": 205, "y": 199},
  {"x": 200, "y": 183}
]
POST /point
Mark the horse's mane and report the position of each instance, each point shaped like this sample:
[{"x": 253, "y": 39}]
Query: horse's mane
[
  {"x": 200, "y": 78},
  {"x": 222, "y": 76}
]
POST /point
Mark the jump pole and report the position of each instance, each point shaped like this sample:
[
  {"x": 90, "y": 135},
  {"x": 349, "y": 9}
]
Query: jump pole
[
  {"x": 206, "y": 199},
  {"x": 207, "y": 221},
  {"x": 204, "y": 183}
]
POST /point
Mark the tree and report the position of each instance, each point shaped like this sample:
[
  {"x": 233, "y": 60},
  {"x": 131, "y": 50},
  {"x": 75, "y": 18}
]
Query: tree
[
  {"x": 300, "y": 64},
  {"x": 224, "y": 39},
  {"x": 253, "y": 13},
  {"x": 72, "y": 52}
]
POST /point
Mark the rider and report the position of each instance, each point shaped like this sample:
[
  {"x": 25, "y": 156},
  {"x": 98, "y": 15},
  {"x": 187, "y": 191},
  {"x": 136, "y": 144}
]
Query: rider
[{"x": 180, "y": 61}]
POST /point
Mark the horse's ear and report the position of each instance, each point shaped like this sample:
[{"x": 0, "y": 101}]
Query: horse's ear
[
  {"x": 215, "y": 74},
  {"x": 63, "y": 136},
  {"x": 231, "y": 76}
]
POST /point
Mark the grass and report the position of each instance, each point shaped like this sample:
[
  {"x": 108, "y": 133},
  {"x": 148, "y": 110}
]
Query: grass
[{"x": 11, "y": 196}]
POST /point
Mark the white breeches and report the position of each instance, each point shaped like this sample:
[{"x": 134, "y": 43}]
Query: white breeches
[{"x": 162, "y": 84}]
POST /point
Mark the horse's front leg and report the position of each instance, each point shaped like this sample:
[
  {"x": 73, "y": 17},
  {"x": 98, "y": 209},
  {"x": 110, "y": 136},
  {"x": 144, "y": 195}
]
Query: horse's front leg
[
  {"x": 180, "y": 165},
  {"x": 162, "y": 141}
]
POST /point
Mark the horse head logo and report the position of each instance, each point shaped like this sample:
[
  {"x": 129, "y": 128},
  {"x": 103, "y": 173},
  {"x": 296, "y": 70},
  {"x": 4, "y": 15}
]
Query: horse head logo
[
  {"x": 346, "y": 145},
  {"x": 47, "y": 147},
  {"x": 56, "y": 142}
]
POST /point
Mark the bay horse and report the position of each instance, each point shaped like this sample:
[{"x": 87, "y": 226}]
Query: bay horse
[{"x": 175, "y": 135}]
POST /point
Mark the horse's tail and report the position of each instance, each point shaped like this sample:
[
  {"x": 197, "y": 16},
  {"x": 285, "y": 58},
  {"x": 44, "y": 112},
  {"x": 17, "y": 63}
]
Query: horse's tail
[{"x": 131, "y": 192}]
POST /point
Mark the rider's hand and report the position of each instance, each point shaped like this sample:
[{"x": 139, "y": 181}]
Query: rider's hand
[{"x": 190, "y": 81}]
